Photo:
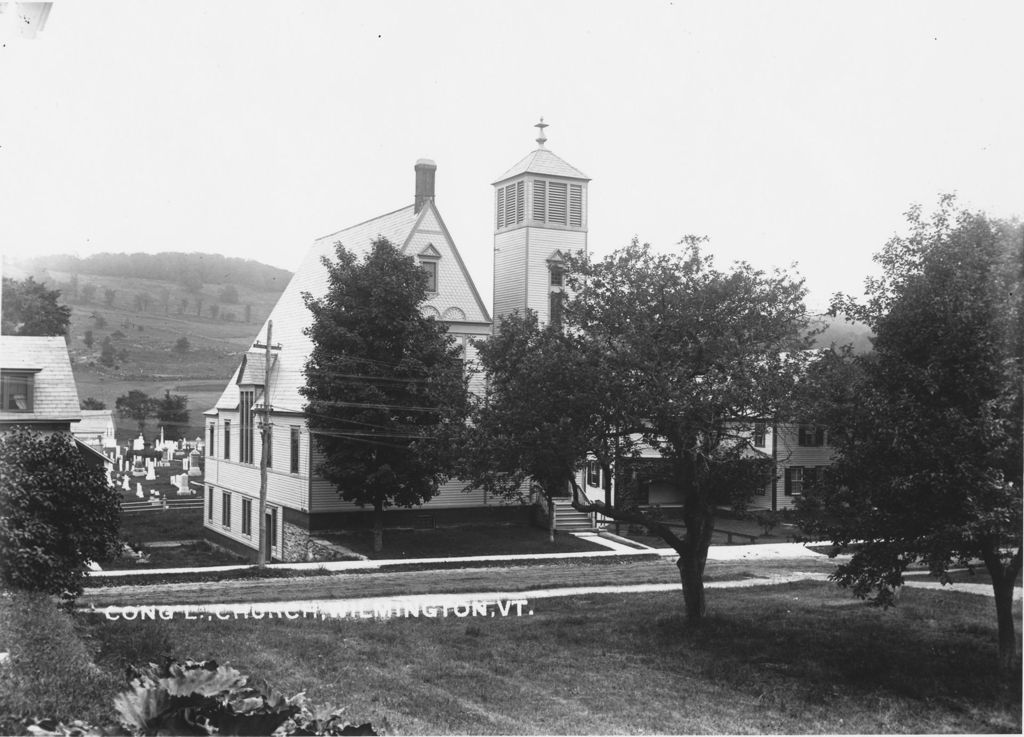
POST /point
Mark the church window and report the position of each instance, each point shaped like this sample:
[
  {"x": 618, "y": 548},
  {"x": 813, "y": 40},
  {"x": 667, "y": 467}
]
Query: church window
[
  {"x": 556, "y": 276},
  {"x": 555, "y": 303},
  {"x": 540, "y": 198},
  {"x": 294, "y": 449},
  {"x": 576, "y": 205},
  {"x": 430, "y": 269},
  {"x": 246, "y": 425},
  {"x": 556, "y": 203},
  {"x": 511, "y": 204}
]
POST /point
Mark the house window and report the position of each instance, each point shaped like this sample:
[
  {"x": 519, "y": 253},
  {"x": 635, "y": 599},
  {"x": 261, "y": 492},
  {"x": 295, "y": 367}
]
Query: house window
[
  {"x": 246, "y": 516},
  {"x": 294, "y": 466},
  {"x": 759, "y": 433},
  {"x": 794, "y": 481},
  {"x": 225, "y": 510},
  {"x": 213, "y": 434},
  {"x": 227, "y": 440},
  {"x": 810, "y": 436},
  {"x": 209, "y": 503},
  {"x": 270, "y": 446},
  {"x": 430, "y": 269},
  {"x": 16, "y": 388},
  {"x": 245, "y": 425},
  {"x": 593, "y": 473}
]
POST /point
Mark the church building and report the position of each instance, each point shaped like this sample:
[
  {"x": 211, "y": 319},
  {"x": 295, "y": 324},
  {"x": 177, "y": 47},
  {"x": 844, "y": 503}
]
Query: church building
[{"x": 540, "y": 215}]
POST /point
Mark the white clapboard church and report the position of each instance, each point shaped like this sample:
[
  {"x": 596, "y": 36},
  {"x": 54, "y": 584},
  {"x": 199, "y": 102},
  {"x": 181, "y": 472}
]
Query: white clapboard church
[{"x": 540, "y": 214}]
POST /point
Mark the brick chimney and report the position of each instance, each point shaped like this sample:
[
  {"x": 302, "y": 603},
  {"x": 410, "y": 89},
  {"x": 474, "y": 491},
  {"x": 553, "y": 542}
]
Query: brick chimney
[{"x": 425, "y": 169}]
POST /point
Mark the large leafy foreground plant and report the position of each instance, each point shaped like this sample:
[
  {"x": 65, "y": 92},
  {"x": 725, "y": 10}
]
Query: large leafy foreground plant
[
  {"x": 203, "y": 698},
  {"x": 199, "y": 698}
]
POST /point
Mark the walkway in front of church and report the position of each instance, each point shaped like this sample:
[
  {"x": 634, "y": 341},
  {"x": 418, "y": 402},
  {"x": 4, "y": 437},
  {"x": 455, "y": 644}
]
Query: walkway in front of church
[{"x": 374, "y": 589}]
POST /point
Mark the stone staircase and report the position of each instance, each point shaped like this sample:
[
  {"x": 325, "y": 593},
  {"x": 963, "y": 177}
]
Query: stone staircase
[{"x": 568, "y": 519}]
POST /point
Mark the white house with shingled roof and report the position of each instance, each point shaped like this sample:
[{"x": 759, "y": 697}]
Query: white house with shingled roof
[{"x": 37, "y": 389}]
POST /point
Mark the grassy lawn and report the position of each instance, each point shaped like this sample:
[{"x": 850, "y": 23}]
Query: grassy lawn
[
  {"x": 161, "y": 524},
  {"x": 450, "y": 542},
  {"x": 800, "y": 658},
  {"x": 195, "y": 554}
]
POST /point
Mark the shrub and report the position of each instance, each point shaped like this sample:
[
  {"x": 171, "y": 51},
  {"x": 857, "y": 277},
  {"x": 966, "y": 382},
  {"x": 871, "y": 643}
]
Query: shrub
[
  {"x": 201, "y": 698},
  {"x": 50, "y": 671},
  {"x": 58, "y": 513}
]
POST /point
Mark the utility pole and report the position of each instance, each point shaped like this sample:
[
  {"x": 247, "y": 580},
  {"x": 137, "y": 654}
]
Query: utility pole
[{"x": 264, "y": 550}]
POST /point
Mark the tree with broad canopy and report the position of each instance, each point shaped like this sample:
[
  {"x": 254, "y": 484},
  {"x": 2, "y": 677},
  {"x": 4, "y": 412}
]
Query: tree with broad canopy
[
  {"x": 29, "y": 308},
  {"x": 135, "y": 405},
  {"x": 382, "y": 381},
  {"x": 659, "y": 351},
  {"x": 928, "y": 427}
]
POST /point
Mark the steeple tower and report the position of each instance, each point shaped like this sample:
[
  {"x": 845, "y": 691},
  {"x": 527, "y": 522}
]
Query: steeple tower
[{"x": 540, "y": 215}]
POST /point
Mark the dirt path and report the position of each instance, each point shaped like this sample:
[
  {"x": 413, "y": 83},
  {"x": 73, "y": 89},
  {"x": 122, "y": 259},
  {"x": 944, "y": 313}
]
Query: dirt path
[{"x": 376, "y": 584}]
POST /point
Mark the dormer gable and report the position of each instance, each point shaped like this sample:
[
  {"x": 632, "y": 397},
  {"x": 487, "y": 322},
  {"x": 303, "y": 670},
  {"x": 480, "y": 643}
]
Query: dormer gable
[{"x": 429, "y": 252}]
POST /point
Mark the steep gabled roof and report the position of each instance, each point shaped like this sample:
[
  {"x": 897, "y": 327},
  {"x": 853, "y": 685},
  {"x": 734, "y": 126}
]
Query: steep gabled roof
[
  {"x": 413, "y": 233},
  {"x": 55, "y": 398},
  {"x": 544, "y": 162}
]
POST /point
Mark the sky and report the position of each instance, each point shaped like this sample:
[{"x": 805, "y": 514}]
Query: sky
[{"x": 789, "y": 133}]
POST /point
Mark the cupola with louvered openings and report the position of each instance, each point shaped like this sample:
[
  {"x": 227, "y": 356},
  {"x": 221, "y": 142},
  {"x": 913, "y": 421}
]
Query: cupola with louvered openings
[{"x": 540, "y": 207}]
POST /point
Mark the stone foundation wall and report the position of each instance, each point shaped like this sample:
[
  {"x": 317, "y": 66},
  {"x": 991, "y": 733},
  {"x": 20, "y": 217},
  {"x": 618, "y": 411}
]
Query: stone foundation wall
[{"x": 299, "y": 546}]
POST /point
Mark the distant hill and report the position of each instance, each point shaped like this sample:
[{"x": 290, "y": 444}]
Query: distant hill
[
  {"x": 187, "y": 269},
  {"x": 143, "y": 306},
  {"x": 838, "y": 332}
]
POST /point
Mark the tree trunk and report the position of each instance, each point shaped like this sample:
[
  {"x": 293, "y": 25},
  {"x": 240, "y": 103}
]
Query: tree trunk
[
  {"x": 693, "y": 586},
  {"x": 551, "y": 519},
  {"x": 378, "y": 527},
  {"x": 692, "y": 558},
  {"x": 1004, "y": 576},
  {"x": 1004, "y": 616}
]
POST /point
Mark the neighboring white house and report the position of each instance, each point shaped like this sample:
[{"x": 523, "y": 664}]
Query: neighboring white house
[
  {"x": 96, "y": 429},
  {"x": 800, "y": 454},
  {"x": 37, "y": 386},
  {"x": 37, "y": 389}
]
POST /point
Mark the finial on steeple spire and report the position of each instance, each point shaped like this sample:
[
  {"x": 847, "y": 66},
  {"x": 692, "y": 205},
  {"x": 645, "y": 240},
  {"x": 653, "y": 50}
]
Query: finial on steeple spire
[{"x": 541, "y": 126}]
